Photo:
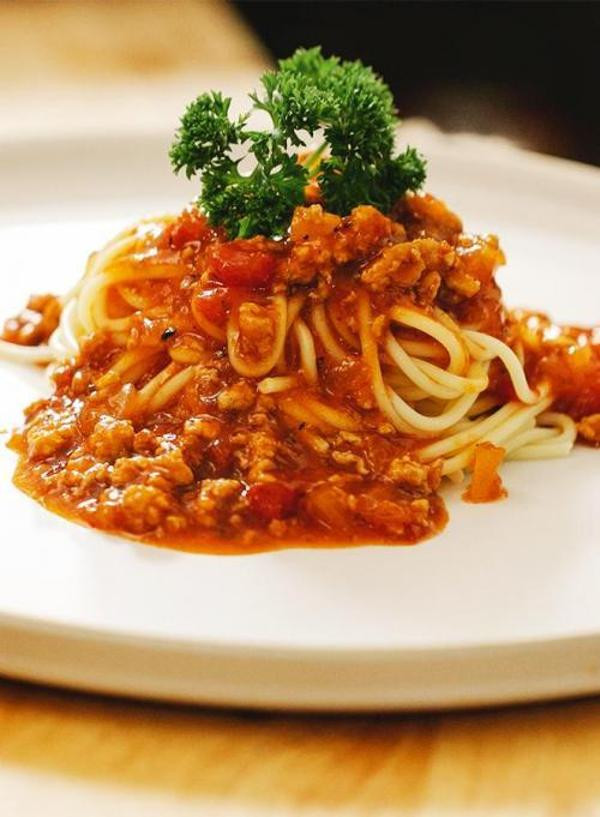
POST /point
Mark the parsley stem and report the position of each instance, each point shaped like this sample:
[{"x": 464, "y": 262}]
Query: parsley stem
[{"x": 314, "y": 159}]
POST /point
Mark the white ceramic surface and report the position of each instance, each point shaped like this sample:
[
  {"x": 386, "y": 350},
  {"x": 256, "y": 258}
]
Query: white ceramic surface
[{"x": 503, "y": 606}]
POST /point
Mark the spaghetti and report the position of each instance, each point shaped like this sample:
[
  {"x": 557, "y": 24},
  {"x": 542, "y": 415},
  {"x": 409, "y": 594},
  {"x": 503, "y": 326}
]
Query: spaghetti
[{"x": 312, "y": 388}]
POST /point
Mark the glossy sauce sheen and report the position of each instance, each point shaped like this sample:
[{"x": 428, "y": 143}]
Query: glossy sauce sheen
[{"x": 223, "y": 468}]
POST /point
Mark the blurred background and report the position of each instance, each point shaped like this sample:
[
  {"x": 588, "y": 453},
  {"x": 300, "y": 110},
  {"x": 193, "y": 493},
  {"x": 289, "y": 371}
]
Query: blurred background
[{"x": 524, "y": 70}]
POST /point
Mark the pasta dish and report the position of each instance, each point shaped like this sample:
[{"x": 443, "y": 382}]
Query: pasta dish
[{"x": 300, "y": 362}]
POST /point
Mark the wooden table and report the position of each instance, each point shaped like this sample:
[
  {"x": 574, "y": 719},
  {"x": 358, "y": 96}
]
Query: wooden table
[
  {"x": 67, "y": 754},
  {"x": 60, "y": 751}
]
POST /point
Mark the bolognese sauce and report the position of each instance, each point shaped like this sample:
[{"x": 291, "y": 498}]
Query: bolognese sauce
[{"x": 238, "y": 395}]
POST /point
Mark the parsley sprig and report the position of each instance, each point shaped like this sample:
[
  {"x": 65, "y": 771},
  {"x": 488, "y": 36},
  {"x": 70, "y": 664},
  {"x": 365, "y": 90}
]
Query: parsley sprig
[{"x": 309, "y": 93}]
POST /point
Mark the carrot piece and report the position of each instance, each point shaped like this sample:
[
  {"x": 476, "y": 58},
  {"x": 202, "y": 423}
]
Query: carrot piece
[{"x": 486, "y": 484}]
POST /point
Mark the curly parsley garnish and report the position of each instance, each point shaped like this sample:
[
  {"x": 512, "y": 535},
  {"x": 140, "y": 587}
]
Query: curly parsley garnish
[{"x": 347, "y": 101}]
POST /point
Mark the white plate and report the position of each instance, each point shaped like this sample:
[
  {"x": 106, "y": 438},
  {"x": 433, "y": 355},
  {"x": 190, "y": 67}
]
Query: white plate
[{"x": 503, "y": 606}]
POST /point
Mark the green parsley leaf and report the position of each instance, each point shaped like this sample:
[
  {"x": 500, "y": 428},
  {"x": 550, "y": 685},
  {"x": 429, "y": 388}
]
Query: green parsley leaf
[{"x": 308, "y": 95}]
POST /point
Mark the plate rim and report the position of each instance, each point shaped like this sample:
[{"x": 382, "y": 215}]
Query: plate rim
[{"x": 454, "y": 677}]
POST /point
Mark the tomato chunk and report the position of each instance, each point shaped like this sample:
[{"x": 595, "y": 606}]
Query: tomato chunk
[
  {"x": 239, "y": 264},
  {"x": 213, "y": 304},
  {"x": 190, "y": 226},
  {"x": 272, "y": 500}
]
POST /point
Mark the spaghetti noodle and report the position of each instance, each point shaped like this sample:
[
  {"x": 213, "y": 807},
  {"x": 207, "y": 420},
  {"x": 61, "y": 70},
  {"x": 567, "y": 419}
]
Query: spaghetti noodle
[{"x": 312, "y": 388}]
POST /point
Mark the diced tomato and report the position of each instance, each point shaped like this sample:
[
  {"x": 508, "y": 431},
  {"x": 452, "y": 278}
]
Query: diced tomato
[
  {"x": 213, "y": 304},
  {"x": 239, "y": 264},
  {"x": 272, "y": 500},
  {"x": 190, "y": 226}
]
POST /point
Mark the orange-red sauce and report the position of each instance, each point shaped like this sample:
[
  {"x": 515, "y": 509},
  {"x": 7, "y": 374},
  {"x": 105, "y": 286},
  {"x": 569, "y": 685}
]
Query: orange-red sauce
[
  {"x": 568, "y": 357},
  {"x": 224, "y": 468}
]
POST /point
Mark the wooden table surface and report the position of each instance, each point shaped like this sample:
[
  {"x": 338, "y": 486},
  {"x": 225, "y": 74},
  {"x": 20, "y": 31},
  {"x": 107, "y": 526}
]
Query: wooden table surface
[
  {"x": 66, "y": 754},
  {"x": 60, "y": 750}
]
